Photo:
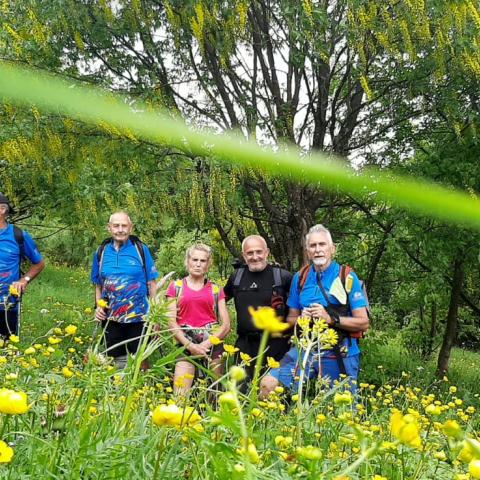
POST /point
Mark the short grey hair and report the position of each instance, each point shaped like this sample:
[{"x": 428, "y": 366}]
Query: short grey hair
[
  {"x": 253, "y": 237},
  {"x": 319, "y": 228},
  {"x": 201, "y": 247},
  {"x": 120, "y": 213}
]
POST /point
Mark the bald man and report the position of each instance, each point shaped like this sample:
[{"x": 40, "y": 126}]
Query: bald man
[
  {"x": 124, "y": 274},
  {"x": 258, "y": 284}
]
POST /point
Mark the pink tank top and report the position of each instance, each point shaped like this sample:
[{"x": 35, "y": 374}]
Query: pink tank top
[{"x": 195, "y": 308}]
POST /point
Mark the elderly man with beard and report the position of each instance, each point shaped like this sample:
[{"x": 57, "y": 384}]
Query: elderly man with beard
[
  {"x": 255, "y": 284},
  {"x": 124, "y": 275},
  {"x": 319, "y": 292}
]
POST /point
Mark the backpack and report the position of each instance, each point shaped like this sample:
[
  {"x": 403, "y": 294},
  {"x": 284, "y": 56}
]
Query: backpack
[
  {"x": 215, "y": 291},
  {"x": 138, "y": 246},
  {"x": 20, "y": 239},
  {"x": 277, "y": 277},
  {"x": 347, "y": 283}
]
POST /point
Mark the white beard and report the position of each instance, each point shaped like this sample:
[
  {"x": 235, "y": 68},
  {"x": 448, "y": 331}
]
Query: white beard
[{"x": 319, "y": 262}]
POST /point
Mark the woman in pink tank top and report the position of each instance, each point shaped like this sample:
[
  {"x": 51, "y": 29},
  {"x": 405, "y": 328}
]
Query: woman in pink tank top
[{"x": 197, "y": 311}]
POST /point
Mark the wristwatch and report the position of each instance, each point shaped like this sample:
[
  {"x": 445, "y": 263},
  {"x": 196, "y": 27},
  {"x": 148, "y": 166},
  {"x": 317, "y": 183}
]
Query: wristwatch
[{"x": 27, "y": 278}]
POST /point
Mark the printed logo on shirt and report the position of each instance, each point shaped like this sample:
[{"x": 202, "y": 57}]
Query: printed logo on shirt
[
  {"x": 253, "y": 285},
  {"x": 357, "y": 295}
]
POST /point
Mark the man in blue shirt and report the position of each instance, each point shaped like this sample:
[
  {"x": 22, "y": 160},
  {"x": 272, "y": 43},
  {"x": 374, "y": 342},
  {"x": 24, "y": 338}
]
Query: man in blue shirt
[
  {"x": 13, "y": 248},
  {"x": 124, "y": 279},
  {"x": 321, "y": 294}
]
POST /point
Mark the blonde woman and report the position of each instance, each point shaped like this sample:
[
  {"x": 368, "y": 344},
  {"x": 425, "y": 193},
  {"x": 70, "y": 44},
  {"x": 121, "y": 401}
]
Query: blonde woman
[{"x": 197, "y": 311}]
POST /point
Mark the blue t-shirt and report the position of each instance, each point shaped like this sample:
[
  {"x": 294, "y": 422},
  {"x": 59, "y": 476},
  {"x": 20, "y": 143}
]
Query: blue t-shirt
[
  {"x": 123, "y": 281},
  {"x": 312, "y": 293},
  {"x": 10, "y": 260}
]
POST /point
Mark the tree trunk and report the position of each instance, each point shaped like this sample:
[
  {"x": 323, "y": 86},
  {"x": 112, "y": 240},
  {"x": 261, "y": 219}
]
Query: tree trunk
[{"x": 451, "y": 328}]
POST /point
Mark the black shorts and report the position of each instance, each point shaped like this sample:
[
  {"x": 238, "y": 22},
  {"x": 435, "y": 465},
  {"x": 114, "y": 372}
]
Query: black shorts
[
  {"x": 8, "y": 323},
  {"x": 115, "y": 333}
]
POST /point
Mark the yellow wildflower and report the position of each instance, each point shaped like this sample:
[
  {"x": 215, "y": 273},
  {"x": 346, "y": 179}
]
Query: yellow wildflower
[
  {"x": 309, "y": 452},
  {"x": 30, "y": 351},
  {"x": 102, "y": 303},
  {"x": 251, "y": 452},
  {"x": 67, "y": 373},
  {"x": 237, "y": 373},
  {"x": 406, "y": 429},
  {"x": 14, "y": 338},
  {"x": 230, "y": 349},
  {"x": 228, "y": 399},
  {"x": 474, "y": 468},
  {"x": 12, "y": 402},
  {"x": 344, "y": 398},
  {"x": 452, "y": 429},
  {"x": 272, "y": 363},
  {"x": 6, "y": 452},
  {"x": 54, "y": 340},
  {"x": 215, "y": 340},
  {"x": 13, "y": 291},
  {"x": 71, "y": 329},
  {"x": 246, "y": 358},
  {"x": 172, "y": 415},
  {"x": 265, "y": 318}
]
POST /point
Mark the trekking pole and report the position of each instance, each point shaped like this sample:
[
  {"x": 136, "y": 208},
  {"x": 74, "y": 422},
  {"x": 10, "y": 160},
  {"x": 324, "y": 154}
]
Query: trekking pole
[{"x": 19, "y": 315}]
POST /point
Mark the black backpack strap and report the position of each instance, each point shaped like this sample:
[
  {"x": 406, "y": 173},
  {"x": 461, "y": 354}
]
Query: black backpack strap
[
  {"x": 20, "y": 239},
  {"x": 277, "y": 276},
  {"x": 238, "y": 276},
  {"x": 141, "y": 253},
  {"x": 100, "y": 253}
]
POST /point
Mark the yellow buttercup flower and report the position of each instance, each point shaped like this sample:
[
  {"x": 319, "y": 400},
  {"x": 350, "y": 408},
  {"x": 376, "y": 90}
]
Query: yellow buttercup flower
[
  {"x": 172, "y": 415},
  {"x": 309, "y": 452},
  {"x": 14, "y": 338},
  {"x": 12, "y": 402},
  {"x": 13, "y": 291},
  {"x": 452, "y": 429},
  {"x": 6, "y": 452},
  {"x": 54, "y": 340},
  {"x": 474, "y": 468},
  {"x": 251, "y": 452},
  {"x": 265, "y": 318},
  {"x": 344, "y": 398},
  {"x": 406, "y": 429},
  {"x": 102, "y": 303},
  {"x": 71, "y": 329},
  {"x": 230, "y": 349},
  {"x": 272, "y": 363},
  {"x": 67, "y": 373},
  {"x": 215, "y": 340},
  {"x": 29, "y": 351},
  {"x": 246, "y": 358}
]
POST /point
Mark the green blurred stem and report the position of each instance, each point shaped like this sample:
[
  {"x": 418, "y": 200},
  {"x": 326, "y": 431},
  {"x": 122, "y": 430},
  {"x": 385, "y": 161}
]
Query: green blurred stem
[{"x": 258, "y": 367}]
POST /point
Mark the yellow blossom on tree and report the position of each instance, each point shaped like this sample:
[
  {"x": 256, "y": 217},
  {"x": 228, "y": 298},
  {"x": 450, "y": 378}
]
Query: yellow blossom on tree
[
  {"x": 6, "y": 452},
  {"x": 265, "y": 318}
]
